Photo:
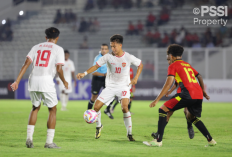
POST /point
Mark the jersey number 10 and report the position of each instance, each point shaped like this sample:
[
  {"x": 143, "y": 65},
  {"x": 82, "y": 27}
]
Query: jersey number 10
[
  {"x": 43, "y": 58},
  {"x": 117, "y": 70}
]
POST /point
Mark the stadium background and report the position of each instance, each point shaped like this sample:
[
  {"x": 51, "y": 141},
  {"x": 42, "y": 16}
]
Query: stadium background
[{"x": 208, "y": 49}]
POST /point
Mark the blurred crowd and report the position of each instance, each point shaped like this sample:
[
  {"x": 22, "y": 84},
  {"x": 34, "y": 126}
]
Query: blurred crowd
[{"x": 6, "y": 33}]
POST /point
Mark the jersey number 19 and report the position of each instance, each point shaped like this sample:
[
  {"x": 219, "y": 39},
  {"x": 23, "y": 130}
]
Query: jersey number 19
[{"x": 42, "y": 58}]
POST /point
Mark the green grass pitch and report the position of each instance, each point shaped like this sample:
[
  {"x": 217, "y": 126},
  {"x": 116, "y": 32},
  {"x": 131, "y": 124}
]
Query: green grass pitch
[{"x": 76, "y": 137}]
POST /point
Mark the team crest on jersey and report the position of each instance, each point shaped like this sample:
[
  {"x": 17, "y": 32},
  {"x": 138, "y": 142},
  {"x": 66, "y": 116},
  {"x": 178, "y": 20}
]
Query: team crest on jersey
[{"x": 123, "y": 64}]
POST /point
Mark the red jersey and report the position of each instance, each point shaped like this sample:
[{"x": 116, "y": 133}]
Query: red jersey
[{"x": 185, "y": 76}]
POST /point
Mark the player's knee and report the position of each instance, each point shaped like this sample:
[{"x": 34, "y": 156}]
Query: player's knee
[
  {"x": 125, "y": 109},
  {"x": 189, "y": 116},
  {"x": 96, "y": 108},
  {"x": 53, "y": 110},
  {"x": 36, "y": 108}
]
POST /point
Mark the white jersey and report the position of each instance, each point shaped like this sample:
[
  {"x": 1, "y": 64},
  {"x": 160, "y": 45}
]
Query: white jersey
[
  {"x": 118, "y": 69},
  {"x": 44, "y": 57}
]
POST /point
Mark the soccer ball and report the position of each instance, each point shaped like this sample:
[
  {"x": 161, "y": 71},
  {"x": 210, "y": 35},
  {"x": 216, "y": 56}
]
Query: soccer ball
[{"x": 90, "y": 116}]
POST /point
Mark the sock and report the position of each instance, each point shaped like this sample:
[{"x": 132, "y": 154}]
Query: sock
[
  {"x": 98, "y": 122},
  {"x": 201, "y": 127},
  {"x": 161, "y": 124},
  {"x": 189, "y": 124},
  {"x": 165, "y": 126},
  {"x": 90, "y": 104},
  {"x": 128, "y": 122},
  {"x": 66, "y": 99},
  {"x": 50, "y": 135},
  {"x": 62, "y": 100},
  {"x": 30, "y": 131},
  {"x": 115, "y": 104},
  {"x": 129, "y": 105},
  {"x": 108, "y": 108}
]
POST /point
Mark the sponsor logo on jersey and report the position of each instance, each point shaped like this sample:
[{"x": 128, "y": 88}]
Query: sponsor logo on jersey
[
  {"x": 113, "y": 63},
  {"x": 123, "y": 64}
]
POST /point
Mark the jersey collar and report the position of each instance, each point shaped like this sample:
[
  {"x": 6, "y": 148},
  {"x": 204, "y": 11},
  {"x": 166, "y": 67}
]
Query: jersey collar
[{"x": 121, "y": 55}]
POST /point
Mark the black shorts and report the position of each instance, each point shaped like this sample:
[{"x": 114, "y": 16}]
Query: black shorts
[
  {"x": 97, "y": 84},
  {"x": 194, "y": 106}
]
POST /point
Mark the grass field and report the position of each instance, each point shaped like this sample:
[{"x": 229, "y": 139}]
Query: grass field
[{"x": 77, "y": 137}]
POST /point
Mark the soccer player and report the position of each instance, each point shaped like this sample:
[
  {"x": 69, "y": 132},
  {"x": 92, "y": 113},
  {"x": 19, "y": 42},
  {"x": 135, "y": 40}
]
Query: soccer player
[
  {"x": 169, "y": 114},
  {"x": 69, "y": 74},
  {"x": 47, "y": 58},
  {"x": 117, "y": 82},
  {"x": 131, "y": 93},
  {"x": 191, "y": 96}
]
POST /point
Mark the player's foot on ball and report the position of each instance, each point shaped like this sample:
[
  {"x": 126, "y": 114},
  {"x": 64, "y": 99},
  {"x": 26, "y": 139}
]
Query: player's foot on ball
[
  {"x": 98, "y": 132},
  {"x": 211, "y": 143},
  {"x": 29, "y": 143},
  {"x": 108, "y": 114},
  {"x": 154, "y": 135},
  {"x": 51, "y": 145},
  {"x": 191, "y": 132},
  {"x": 130, "y": 137},
  {"x": 153, "y": 143}
]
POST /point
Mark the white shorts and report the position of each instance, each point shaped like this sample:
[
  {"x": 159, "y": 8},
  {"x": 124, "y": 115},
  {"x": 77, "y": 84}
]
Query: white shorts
[
  {"x": 49, "y": 98},
  {"x": 62, "y": 88},
  {"x": 108, "y": 94}
]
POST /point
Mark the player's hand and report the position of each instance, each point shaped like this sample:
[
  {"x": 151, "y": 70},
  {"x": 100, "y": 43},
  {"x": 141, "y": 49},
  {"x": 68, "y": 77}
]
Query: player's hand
[
  {"x": 80, "y": 75},
  {"x": 57, "y": 82},
  {"x": 168, "y": 93},
  {"x": 14, "y": 86},
  {"x": 66, "y": 85},
  {"x": 133, "y": 82},
  {"x": 153, "y": 104},
  {"x": 206, "y": 95}
]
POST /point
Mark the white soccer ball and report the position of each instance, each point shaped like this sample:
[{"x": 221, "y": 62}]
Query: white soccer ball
[{"x": 90, "y": 116}]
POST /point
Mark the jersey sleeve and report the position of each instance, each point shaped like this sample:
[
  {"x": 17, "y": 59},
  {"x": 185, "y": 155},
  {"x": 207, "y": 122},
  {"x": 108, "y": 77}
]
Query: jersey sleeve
[
  {"x": 60, "y": 57},
  {"x": 31, "y": 54},
  {"x": 171, "y": 70},
  {"x": 135, "y": 61},
  {"x": 102, "y": 60},
  {"x": 196, "y": 73}
]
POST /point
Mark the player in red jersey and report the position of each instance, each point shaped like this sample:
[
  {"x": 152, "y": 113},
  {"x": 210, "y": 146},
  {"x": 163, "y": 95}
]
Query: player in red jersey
[
  {"x": 169, "y": 114},
  {"x": 131, "y": 94},
  {"x": 191, "y": 96}
]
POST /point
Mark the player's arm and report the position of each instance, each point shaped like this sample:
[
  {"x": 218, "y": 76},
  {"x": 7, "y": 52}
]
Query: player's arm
[
  {"x": 61, "y": 75},
  {"x": 164, "y": 90},
  {"x": 200, "y": 79},
  {"x": 90, "y": 70},
  {"x": 172, "y": 89},
  {"x": 98, "y": 74},
  {"x": 135, "y": 79},
  {"x": 74, "y": 78},
  {"x": 26, "y": 64}
]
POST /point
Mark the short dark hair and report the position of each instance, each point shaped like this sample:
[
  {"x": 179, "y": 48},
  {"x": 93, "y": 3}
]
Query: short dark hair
[
  {"x": 117, "y": 38},
  {"x": 175, "y": 50},
  {"x": 66, "y": 51},
  {"x": 52, "y": 33},
  {"x": 105, "y": 45}
]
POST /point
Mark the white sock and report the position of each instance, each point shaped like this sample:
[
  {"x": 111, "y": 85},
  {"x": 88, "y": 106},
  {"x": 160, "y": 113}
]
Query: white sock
[
  {"x": 66, "y": 99},
  {"x": 62, "y": 100},
  {"x": 50, "y": 135},
  {"x": 98, "y": 122},
  {"x": 30, "y": 131},
  {"x": 128, "y": 122}
]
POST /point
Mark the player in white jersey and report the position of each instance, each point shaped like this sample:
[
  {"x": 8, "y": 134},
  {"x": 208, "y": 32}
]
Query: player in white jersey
[
  {"x": 117, "y": 81},
  {"x": 47, "y": 58},
  {"x": 69, "y": 73}
]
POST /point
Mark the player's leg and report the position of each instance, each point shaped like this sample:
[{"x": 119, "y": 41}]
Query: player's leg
[
  {"x": 95, "y": 89},
  {"x": 50, "y": 100},
  {"x": 107, "y": 110},
  {"x": 92, "y": 100},
  {"x": 36, "y": 101},
  {"x": 189, "y": 125},
  {"x": 62, "y": 100},
  {"x": 115, "y": 104},
  {"x": 193, "y": 112},
  {"x": 106, "y": 96}
]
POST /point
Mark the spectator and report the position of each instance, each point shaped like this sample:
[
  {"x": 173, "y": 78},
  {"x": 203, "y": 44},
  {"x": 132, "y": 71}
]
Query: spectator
[
  {"x": 96, "y": 25},
  {"x": 58, "y": 16},
  {"x": 139, "y": 27},
  {"x": 90, "y": 25},
  {"x": 84, "y": 44},
  {"x": 148, "y": 37},
  {"x": 101, "y": 4},
  {"x": 138, "y": 3},
  {"x": 218, "y": 39},
  {"x": 89, "y": 5},
  {"x": 149, "y": 4},
  {"x": 164, "y": 16},
  {"x": 72, "y": 15},
  {"x": 150, "y": 20},
  {"x": 196, "y": 45},
  {"x": 76, "y": 24},
  {"x": 156, "y": 37},
  {"x": 173, "y": 36},
  {"x": 116, "y": 3},
  {"x": 223, "y": 31},
  {"x": 83, "y": 25},
  {"x": 210, "y": 44},
  {"x": 164, "y": 42},
  {"x": 66, "y": 16},
  {"x": 131, "y": 29},
  {"x": 189, "y": 39},
  {"x": 195, "y": 38},
  {"x": 9, "y": 34}
]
